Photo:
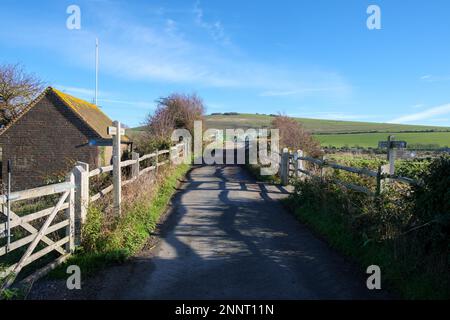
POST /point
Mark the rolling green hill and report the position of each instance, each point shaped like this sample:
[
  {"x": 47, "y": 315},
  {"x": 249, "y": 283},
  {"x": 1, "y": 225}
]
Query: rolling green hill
[
  {"x": 315, "y": 126},
  {"x": 338, "y": 133},
  {"x": 428, "y": 140}
]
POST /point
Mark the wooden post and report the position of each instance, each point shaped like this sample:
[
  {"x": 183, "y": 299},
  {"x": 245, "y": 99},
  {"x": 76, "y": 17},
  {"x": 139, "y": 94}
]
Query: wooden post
[
  {"x": 70, "y": 214},
  {"x": 295, "y": 158},
  {"x": 322, "y": 167},
  {"x": 285, "y": 167},
  {"x": 156, "y": 161},
  {"x": 186, "y": 150},
  {"x": 115, "y": 131},
  {"x": 135, "y": 166},
  {"x": 391, "y": 155},
  {"x": 173, "y": 155},
  {"x": 380, "y": 180},
  {"x": 81, "y": 173},
  {"x": 301, "y": 165}
]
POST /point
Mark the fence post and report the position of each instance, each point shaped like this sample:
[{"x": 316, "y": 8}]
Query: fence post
[
  {"x": 70, "y": 214},
  {"x": 300, "y": 163},
  {"x": 135, "y": 166},
  {"x": 296, "y": 163},
  {"x": 322, "y": 167},
  {"x": 156, "y": 161},
  {"x": 186, "y": 150},
  {"x": 117, "y": 171},
  {"x": 81, "y": 173},
  {"x": 172, "y": 154},
  {"x": 380, "y": 180},
  {"x": 285, "y": 167},
  {"x": 391, "y": 155}
]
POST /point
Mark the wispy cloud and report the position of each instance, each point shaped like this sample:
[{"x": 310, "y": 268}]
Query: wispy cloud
[
  {"x": 165, "y": 52},
  {"x": 303, "y": 91},
  {"x": 136, "y": 104},
  {"x": 108, "y": 98},
  {"x": 85, "y": 92},
  {"x": 433, "y": 78},
  {"x": 215, "y": 29},
  {"x": 420, "y": 116}
]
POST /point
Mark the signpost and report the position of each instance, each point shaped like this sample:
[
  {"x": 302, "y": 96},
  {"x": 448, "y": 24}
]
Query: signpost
[
  {"x": 116, "y": 131},
  {"x": 392, "y": 147}
]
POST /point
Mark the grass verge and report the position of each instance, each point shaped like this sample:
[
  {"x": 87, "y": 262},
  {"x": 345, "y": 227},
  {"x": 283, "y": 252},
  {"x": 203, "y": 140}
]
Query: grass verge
[
  {"x": 255, "y": 171},
  {"x": 400, "y": 276},
  {"x": 108, "y": 241}
]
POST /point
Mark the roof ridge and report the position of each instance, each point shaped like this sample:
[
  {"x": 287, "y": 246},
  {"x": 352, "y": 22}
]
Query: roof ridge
[
  {"x": 90, "y": 114},
  {"x": 64, "y": 96},
  {"x": 60, "y": 95}
]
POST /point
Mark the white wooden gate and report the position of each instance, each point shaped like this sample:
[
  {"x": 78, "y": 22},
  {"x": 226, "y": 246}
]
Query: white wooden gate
[
  {"x": 69, "y": 213},
  {"x": 39, "y": 227}
]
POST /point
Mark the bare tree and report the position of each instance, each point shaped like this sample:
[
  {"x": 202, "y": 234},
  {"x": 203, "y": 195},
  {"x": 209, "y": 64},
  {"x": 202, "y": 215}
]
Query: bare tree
[
  {"x": 173, "y": 112},
  {"x": 294, "y": 136},
  {"x": 17, "y": 90}
]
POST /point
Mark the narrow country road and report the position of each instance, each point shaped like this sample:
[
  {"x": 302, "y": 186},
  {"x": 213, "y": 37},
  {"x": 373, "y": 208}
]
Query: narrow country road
[{"x": 228, "y": 238}]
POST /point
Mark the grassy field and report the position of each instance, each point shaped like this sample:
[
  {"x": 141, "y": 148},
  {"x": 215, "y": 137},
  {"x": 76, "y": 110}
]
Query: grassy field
[
  {"x": 315, "y": 126},
  {"x": 338, "y": 133},
  {"x": 344, "y": 133},
  {"x": 437, "y": 139}
]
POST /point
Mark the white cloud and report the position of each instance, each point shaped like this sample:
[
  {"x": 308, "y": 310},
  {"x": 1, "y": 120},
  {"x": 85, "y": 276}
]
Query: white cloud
[
  {"x": 88, "y": 95},
  {"x": 336, "y": 116},
  {"x": 164, "y": 53},
  {"x": 427, "y": 114},
  {"x": 433, "y": 78},
  {"x": 85, "y": 92},
  {"x": 136, "y": 104},
  {"x": 304, "y": 91},
  {"x": 171, "y": 26},
  {"x": 215, "y": 29}
]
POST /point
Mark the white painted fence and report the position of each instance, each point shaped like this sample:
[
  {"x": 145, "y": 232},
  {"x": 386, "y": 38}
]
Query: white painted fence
[
  {"x": 69, "y": 213},
  {"x": 293, "y": 165}
]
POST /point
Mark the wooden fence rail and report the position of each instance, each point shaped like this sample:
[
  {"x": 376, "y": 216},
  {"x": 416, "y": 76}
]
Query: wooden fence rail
[
  {"x": 293, "y": 165},
  {"x": 73, "y": 202}
]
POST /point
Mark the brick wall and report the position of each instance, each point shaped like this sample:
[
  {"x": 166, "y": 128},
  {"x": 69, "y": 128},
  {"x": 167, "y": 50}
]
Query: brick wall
[{"x": 45, "y": 143}]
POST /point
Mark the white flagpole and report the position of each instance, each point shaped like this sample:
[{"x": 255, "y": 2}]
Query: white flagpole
[{"x": 96, "y": 71}]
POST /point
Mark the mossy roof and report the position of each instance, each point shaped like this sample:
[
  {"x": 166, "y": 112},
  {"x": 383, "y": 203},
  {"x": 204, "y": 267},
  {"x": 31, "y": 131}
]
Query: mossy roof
[{"x": 89, "y": 113}]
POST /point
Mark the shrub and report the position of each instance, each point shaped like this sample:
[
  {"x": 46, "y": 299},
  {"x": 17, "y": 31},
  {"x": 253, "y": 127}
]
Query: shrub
[
  {"x": 107, "y": 238},
  {"x": 406, "y": 230},
  {"x": 173, "y": 112},
  {"x": 432, "y": 206},
  {"x": 293, "y": 136}
]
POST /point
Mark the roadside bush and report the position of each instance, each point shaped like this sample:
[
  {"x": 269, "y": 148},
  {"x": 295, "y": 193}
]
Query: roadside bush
[
  {"x": 174, "y": 112},
  {"x": 108, "y": 239},
  {"x": 294, "y": 136},
  {"x": 432, "y": 207},
  {"x": 406, "y": 230},
  {"x": 142, "y": 204}
]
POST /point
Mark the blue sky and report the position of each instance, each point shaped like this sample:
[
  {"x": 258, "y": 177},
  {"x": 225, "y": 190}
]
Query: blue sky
[{"x": 305, "y": 58}]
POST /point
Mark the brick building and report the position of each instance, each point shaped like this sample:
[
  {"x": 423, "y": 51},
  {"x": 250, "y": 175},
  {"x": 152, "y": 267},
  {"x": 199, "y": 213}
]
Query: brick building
[{"x": 50, "y": 135}]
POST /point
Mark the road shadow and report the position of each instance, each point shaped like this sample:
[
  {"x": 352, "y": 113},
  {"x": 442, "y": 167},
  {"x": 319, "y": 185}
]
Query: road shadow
[{"x": 227, "y": 237}]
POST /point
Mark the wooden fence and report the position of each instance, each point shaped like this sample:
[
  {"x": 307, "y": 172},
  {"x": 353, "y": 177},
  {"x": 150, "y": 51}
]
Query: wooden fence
[
  {"x": 293, "y": 165},
  {"x": 67, "y": 215}
]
